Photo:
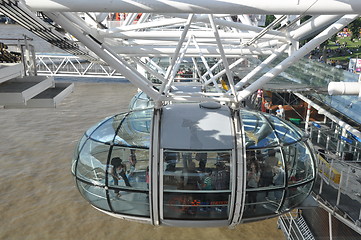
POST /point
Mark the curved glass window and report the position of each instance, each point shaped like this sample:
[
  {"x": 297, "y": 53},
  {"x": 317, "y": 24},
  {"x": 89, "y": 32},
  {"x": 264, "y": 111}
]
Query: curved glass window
[
  {"x": 131, "y": 203},
  {"x": 285, "y": 132},
  {"x": 196, "y": 185},
  {"x": 140, "y": 101},
  {"x": 92, "y": 162},
  {"x": 129, "y": 168},
  {"x": 97, "y": 196},
  {"x": 265, "y": 130},
  {"x": 300, "y": 167},
  {"x": 105, "y": 132},
  {"x": 296, "y": 195},
  {"x": 259, "y": 132},
  {"x": 92, "y": 128},
  {"x": 135, "y": 129},
  {"x": 265, "y": 181},
  {"x": 112, "y": 162}
]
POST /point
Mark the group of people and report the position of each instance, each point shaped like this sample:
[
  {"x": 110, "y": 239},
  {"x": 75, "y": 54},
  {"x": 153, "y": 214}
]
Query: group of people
[
  {"x": 264, "y": 175},
  {"x": 207, "y": 179},
  {"x": 265, "y": 105}
]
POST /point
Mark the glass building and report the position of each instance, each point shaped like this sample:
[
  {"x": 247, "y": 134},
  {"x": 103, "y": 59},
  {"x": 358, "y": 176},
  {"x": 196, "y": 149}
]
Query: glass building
[{"x": 194, "y": 165}]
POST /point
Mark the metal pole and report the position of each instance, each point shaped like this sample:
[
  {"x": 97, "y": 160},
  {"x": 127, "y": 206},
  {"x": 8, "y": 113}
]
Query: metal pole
[
  {"x": 171, "y": 69},
  {"x": 348, "y": 176},
  {"x": 321, "y": 186},
  {"x": 339, "y": 189},
  {"x": 200, "y": 6},
  {"x": 318, "y": 135},
  {"x": 307, "y": 123},
  {"x": 330, "y": 225},
  {"x": 223, "y": 56},
  {"x": 330, "y": 170},
  {"x": 209, "y": 71}
]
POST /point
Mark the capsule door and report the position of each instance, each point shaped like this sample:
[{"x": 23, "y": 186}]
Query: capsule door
[{"x": 195, "y": 188}]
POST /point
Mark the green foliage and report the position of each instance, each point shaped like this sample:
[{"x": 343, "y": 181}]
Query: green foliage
[
  {"x": 354, "y": 27},
  {"x": 270, "y": 19}
]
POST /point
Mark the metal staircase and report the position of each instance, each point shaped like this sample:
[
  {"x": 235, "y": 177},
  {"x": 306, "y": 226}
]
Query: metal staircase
[
  {"x": 294, "y": 226},
  {"x": 303, "y": 227}
]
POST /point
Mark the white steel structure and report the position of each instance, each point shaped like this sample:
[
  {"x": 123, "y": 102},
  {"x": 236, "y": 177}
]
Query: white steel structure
[
  {"x": 199, "y": 30},
  {"x": 217, "y": 37}
]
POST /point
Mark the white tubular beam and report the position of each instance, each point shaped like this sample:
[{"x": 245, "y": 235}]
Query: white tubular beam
[
  {"x": 171, "y": 71},
  {"x": 218, "y": 75},
  {"x": 244, "y": 18},
  {"x": 191, "y": 51},
  {"x": 130, "y": 18},
  {"x": 344, "y": 88},
  {"x": 175, "y": 35},
  {"x": 320, "y": 38},
  {"x": 140, "y": 26},
  {"x": 223, "y": 56},
  {"x": 236, "y": 25},
  {"x": 159, "y": 76},
  {"x": 260, "y": 67},
  {"x": 180, "y": 44},
  {"x": 159, "y": 69},
  {"x": 143, "y": 18},
  {"x": 209, "y": 71},
  {"x": 313, "y": 25},
  {"x": 201, "y": 41},
  {"x": 290, "y": 7},
  {"x": 174, "y": 69},
  {"x": 268, "y": 44},
  {"x": 213, "y": 67},
  {"x": 199, "y": 74},
  {"x": 266, "y": 29},
  {"x": 107, "y": 55}
]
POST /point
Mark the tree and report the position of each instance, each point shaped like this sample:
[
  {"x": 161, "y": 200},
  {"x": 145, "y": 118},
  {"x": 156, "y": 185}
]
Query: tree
[{"x": 354, "y": 27}]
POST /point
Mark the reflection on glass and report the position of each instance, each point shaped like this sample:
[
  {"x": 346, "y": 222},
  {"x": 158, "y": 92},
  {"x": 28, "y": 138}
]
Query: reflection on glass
[
  {"x": 265, "y": 168},
  {"x": 92, "y": 162},
  {"x": 196, "y": 206},
  {"x": 94, "y": 194},
  {"x": 135, "y": 129},
  {"x": 92, "y": 128},
  {"x": 140, "y": 101},
  {"x": 106, "y": 130},
  {"x": 206, "y": 175},
  {"x": 299, "y": 163},
  {"x": 196, "y": 170},
  {"x": 129, "y": 167},
  {"x": 265, "y": 203},
  {"x": 285, "y": 133},
  {"x": 259, "y": 132},
  {"x": 130, "y": 203},
  {"x": 296, "y": 195}
]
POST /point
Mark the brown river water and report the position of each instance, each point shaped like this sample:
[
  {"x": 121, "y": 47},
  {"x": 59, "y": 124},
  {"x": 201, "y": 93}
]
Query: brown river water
[
  {"x": 38, "y": 196},
  {"x": 39, "y": 199}
]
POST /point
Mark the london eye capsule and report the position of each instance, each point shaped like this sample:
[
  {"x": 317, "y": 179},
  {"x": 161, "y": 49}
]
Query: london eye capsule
[{"x": 194, "y": 164}]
